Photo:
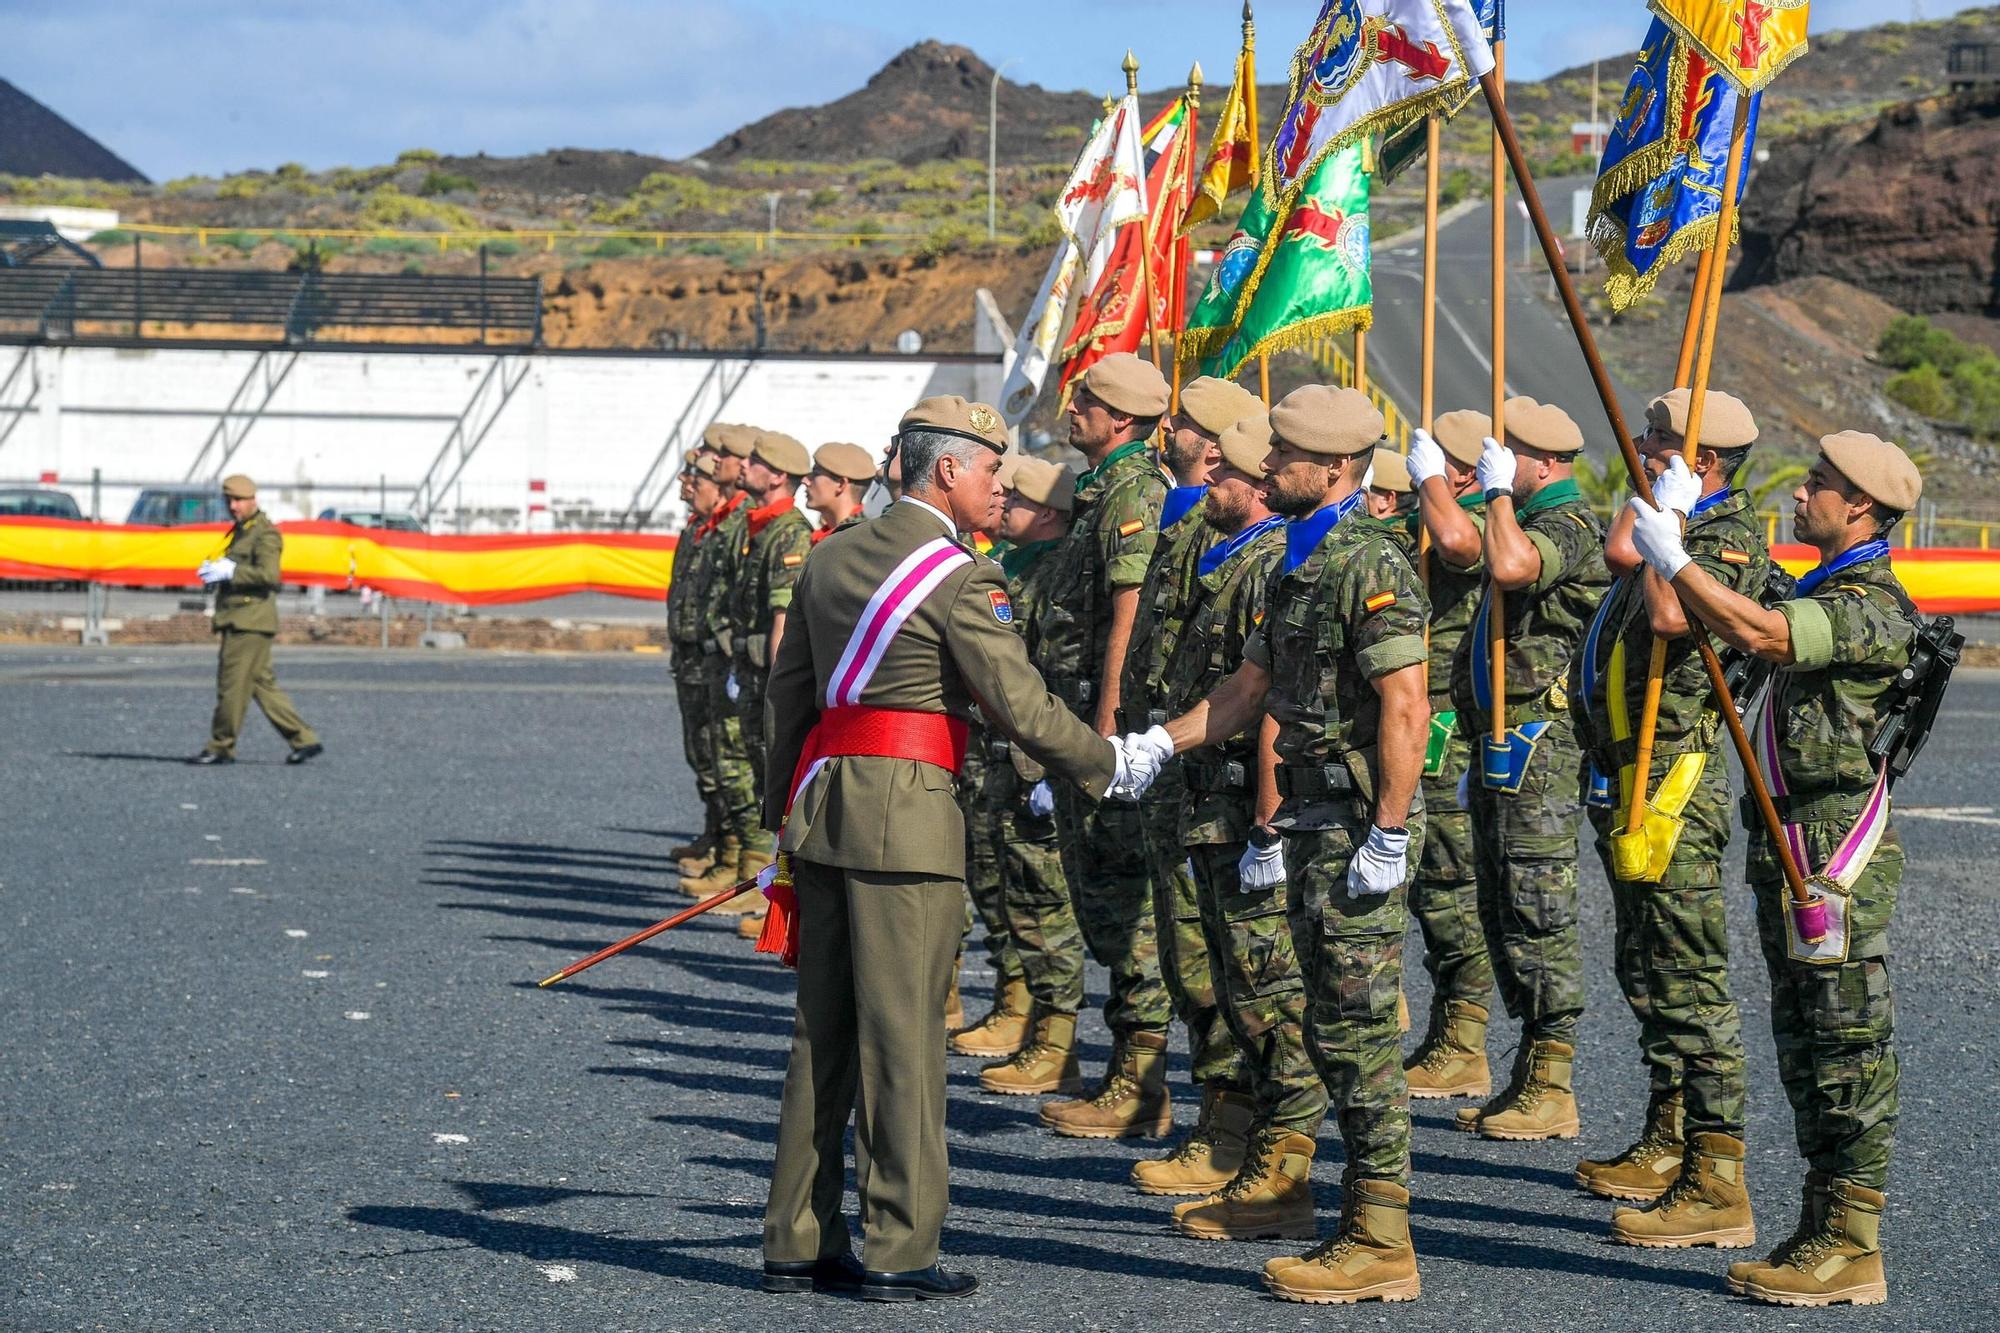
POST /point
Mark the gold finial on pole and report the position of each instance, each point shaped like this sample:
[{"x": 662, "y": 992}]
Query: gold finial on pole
[
  {"x": 1194, "y": 84},
  {"x": 1110, "y": 104},
  {"x": 1131, "y": 67}
]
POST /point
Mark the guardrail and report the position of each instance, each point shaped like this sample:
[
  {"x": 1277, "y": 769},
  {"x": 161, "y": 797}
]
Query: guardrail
[
  {"x": 1338, "y": 367},
  {"x": 547, "y": 237}
]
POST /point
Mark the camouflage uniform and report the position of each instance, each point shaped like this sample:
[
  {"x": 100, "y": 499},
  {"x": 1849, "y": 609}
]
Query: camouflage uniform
[
  {"x": 1164, "y": 601},
  {"x": 1833, "y": 1025},
  {"x": 984, "y": 882},
  {"x": 769, "y": 557},
  {"x": 735, "y": 782},
  {"x": 1671, "y": 943},
  {"x": 1350, "y": 613},
  {"x": 1113, "y": 529},
  {"x": 1258, "y": 986},
  {"x": 688, "y": 595},
  {"x": 1525, "y": 843},
  {"x": 1039, "y": 915}
]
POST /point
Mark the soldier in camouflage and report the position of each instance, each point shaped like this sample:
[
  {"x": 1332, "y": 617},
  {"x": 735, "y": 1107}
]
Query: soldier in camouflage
[
  {"x": 1838, "y": 646},
  {"x": 1545, "y": 567},
  {"x": 1339, "y": 664},
  {"x": 701, "y": 494},
  {"x": 1084, "y": 626},
  {"x": 707, "y": 605},
  {"x": 1670, "y": 949}
]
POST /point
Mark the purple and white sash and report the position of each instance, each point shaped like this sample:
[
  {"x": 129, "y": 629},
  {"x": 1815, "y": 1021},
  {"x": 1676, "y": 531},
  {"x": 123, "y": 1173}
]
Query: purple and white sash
[{"x": 1851, "y": 857}]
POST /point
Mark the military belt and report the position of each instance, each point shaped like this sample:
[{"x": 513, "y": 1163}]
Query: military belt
[
  {"x": 1314, "y": 783},
  {"x": 1209, "y": 775},
  {"x": 1072, "y": 692},
  {"x": 1842, "y": 805}
]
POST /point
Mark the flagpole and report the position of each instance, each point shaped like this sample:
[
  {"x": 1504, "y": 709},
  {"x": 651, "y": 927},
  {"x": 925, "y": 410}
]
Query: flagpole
[
  {"x": 1684, "y": 366},
  {"x": 1131, "y": 68},
  {"x": 1177, "y": 311},
  {"x": 1496, "y": 615},
  {"x": 1427, "y": 400},
  {"x": 1361, "y": 359},
  {"x": 1708, "y": 284},
  {"x": 1601, "y": 379},
  {"x": 1250, "y": 124}
]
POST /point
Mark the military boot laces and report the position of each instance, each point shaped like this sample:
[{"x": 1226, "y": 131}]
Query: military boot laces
[
  {"x": 1648, "y": 1168},
  {"x": 1705, "y": 1205},
  {"x": 1452, "y": 1060},
  {"x": 1841, "y": 1263},
  {"x": 1368, "y": 1258},
  {"x": 1545, "y": 1106},
  {"x": 1812, "y": 1212}
]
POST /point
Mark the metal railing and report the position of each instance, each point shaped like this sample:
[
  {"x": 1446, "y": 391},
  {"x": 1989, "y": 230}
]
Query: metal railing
[
  {"x": 547, "y": 238},
  {"x": 1337, "y": 367}
]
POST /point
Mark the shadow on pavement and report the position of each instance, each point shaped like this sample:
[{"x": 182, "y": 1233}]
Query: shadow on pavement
[
  {"x": 138, "y": 758},
  {"x": 488, "y": 1195},
  {"x": 1429, "y": 1163},
  {"x": 534, "y": 1240},
  {"x": 1490, "y": 1251}
]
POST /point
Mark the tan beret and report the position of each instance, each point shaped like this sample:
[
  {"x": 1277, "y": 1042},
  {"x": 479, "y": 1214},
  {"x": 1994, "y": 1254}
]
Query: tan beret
[
  {"x": 1462, "y": 435},
  {"x": 1392, "y": 471},
  {"x": 1127, "y": 383},
  {"x": 1045, "y": 483},
  {"x": 712, "y": 434},
  {"x": 1725, "y": 422},
  {"x": 1005, "y": 476},
  {"x": 703, "y": 466},
  {"x": 1216, "y": 404},
  {"x": 1246, "y": 444},
  {"x": 1543, "y": 426},
  {"x": 736, "y": 441},
  {"x": 848, "y": 461},
  {"x": 775, "y": 449},
  {"x": 236, "y": 486},
  {"x": 978, "y": 422},
  {"x": 1321, "y": 419},
  {"x": 1877, "y": 468}
]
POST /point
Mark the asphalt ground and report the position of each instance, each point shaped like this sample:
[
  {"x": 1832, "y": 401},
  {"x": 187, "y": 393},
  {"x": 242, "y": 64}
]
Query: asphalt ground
[{"x": 273, "y": 1055}]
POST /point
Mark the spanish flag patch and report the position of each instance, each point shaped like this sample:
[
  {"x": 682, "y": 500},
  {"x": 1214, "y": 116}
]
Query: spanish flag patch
[
  {"x": 1735, "y": 557},
  {"x": 1381, "y": 601},
  {"x": 791, "y": 560},
  {"x": 1135, "y": 526}
]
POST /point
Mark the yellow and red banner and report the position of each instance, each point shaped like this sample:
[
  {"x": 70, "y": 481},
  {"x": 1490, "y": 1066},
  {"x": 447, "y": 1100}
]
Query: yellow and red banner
[
  {"x": 477, "y": 571},
  {"x": 1748, "y": 41},
  {"x": 1941, "y": 580},
  {"x": 1232, "y": 158}
]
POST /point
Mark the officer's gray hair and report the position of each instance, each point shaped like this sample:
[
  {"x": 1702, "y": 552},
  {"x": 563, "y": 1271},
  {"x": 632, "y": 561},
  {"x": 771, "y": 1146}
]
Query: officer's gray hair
[{"x": 922, "y": 449}]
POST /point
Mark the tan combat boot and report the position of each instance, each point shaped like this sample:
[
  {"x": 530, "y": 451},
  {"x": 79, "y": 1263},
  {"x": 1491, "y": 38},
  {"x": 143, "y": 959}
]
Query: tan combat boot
[
  {"x": 1467, "y": 1118},
  {"x": 1644, "y": 1170},
  {"x": 1210, "y": 1156},
  {"x": 696, "y": 856},
  {"x": 1134, "y": 1102},
  {"x": 954, "y": 1004},
  {"x": 1812, "y": 1213},
  {"x": 749, "y": 864},
  {"x": 721, "y": 874},
  {"x": 1004, "y": 1030},
  {"x": 1545, "y": 1107},
  {"x": 1842, "y": 1262},
  {"x": 1270, "y": 1198},
  {"x": 1706, "y": 1205},
  {"x": 1046, "y": 1064},
  {"x": 1369, "y": 1260},
  {"x": 1452, "y": 1060},
  {"x": 751, "y": 927}
]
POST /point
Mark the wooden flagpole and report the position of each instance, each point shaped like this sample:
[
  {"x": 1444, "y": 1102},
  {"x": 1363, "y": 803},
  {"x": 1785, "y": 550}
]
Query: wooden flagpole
[
  {"x": 1601, "y": 380},
  {"x": 1177, "y": 307},
  {"x": 1496, "y": 614},
  {"x": 1131, "y": 67},
  {"x": 1250, "y": 127},
  {"x": 1361, "y": 359},
  {"x": 1427, "y": 395}
]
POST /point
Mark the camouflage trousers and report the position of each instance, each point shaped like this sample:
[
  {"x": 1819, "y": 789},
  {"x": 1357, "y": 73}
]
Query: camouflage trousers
[
  {"x": 735, "y": 784},
  {"x": 1351, "y": 951},
  {"x": 1444, "y": 896},
  {"x": 1670, "y": 954},
  {"x": 1184, "y": 964},
  {"x": 1259, "y": 990},
  {"x": 1040, "y": 916},
  {"x": 983, "y": 855},
  {"x": 1835, "y": 1026},
  {"x": 1525, "y": 848},
  {"x": 1104, "y": 859},
  {"x": 691, "y": 696},
  {"x": 749, "y": 708}
]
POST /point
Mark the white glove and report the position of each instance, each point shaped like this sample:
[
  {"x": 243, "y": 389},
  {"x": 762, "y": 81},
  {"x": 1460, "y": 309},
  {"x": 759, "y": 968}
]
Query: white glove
[
  {"x": 1496, "y": 467},
  {"x": 1368, "y": 478},
  {"x": 1657, "y": 534},
  {"x": 216, "y": 571},
  {"x": 1041, "y": 800},
  {"x": 731, "y": 688},
  {"x": 767, "y": 877},
  {"x": 1138, "y": 765},
  {"x": 1380, "y": 864},
  {"x": 1677, "y": 488},
  {"x": 1426, "y": 458},
  {"x": 1156, "y": 740},
  {"x": 1261, "y": 868}
]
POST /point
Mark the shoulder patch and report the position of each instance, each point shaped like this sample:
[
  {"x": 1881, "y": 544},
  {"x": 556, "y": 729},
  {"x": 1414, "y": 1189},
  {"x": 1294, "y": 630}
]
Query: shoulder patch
[
  {"x": 1132, "y": 527},
  {"x": 794, "y": 559},
  {"x": 1003, "y": 610},
  {"x": 1735, "y": 557},
  {"x": 1381, "y": 601}
]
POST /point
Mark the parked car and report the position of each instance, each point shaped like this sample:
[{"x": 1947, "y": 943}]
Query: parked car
[
  {"x": 395, "y": 520},
  {"x": 179, "y": 506},
  {"x": 37, "y": 502}
]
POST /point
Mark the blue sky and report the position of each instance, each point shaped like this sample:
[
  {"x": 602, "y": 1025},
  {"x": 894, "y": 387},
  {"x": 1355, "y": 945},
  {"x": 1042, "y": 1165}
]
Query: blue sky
[{"x": 229, "y": 84}]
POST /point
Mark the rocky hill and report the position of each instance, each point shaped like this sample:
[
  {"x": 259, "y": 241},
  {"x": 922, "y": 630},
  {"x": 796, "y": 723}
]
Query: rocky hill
[{"x": 35, "y": 141}]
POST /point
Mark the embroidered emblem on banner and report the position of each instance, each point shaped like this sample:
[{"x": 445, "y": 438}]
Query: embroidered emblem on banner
[{"x": 1003, "y": 610}]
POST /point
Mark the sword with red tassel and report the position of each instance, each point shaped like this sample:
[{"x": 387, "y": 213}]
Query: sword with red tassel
[{"x": 778, "y": 936}]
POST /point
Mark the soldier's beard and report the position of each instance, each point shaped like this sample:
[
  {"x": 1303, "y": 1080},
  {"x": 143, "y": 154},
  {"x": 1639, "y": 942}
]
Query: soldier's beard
[
  {"x": 1295, "y": 495},
  {"x": 1226, "y": 510}
]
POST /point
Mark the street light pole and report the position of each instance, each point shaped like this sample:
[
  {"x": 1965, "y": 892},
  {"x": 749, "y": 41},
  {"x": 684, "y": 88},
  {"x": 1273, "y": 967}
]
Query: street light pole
[{"x": 993, "y": 144}]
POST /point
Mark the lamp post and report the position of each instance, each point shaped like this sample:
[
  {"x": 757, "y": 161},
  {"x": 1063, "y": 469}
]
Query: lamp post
[{"x": 993, "y": 144}]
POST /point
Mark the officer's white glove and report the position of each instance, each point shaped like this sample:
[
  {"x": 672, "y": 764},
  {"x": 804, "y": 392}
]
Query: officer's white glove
[
  {"x": 731, "y": 688},
  {"x": 1657, "y": 534},
  {"x": 219, "y": 570},
  {"x": 1041, "y": 800},
  {"x": 1677, "y": 487},
  {"x": 1426, "y": 458},
  {"x": 1156, "y": 740},
  {"x": 1138, "y": 765},
  {"x": 1380, "y": 864},
  {"x": 1496, "y": 467},
  {"x": 1261, "y": 868}
]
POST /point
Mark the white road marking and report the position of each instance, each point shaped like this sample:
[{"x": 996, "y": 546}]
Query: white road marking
[
  {"x": 228, "y": 861},
  {"x": 556, "y": 1272},
  {"x": 449, "y": 1138},
  {"x": 239, "y": 889},
  {"x": 59, "y": 1185},
  {"x": 1951, "y": 814},
  {"x": 358, "y": 1015},
  {"x": 295, "y": 934},
  {"x": 211, "y": 837},
  {"x": 189, "y": 805},
  {"x": 314, "y": 974}
]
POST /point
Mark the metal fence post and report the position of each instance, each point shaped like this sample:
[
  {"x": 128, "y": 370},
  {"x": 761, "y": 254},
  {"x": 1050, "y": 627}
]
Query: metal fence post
[{"x": 93, "y": 606}]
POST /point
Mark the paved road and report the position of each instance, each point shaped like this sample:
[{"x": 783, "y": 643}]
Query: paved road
[{"x": 273, "y": 1056}]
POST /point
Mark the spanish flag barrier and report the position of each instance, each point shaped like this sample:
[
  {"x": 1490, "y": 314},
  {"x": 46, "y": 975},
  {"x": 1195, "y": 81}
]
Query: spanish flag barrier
[
  {"x": 478, "y": 571},
  {"x": 492, "y": 571}
]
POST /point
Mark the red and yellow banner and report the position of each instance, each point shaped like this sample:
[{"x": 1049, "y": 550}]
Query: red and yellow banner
[
  {"x": 1748, "y": 41},
  {"x": 1941, "y": 580},
  {"x": 479, "y": 571}
]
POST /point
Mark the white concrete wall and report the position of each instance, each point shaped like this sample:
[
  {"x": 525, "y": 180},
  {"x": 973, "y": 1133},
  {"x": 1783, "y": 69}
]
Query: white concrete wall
[{"x": 340, "y": 421}]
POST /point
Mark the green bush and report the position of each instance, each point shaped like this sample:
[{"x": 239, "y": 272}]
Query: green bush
[
  {"x": 241, "y": 241},
  {"x": 112, "y": 237},
  {"x": 393, "y": 245},
  {"x": 1976, "y": 382},
  {"x": 615, "y": 247},
  {"x": 1924, "y": 390},
  {"x": 445, "y": 182},
  {"x": 417, "y": 157},
  {"x": 387, "y": 206},
  {"x": 948, "y": 238},
  {"x": 1912, "y": 341},
  {"x": 240, "y": 187},
  {"x": 501, "y": 249},
  {"x": 414, "y": 269}
]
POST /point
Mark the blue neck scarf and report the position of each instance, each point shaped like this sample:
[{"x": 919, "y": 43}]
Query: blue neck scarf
[
  {"x": 1181, "y": 501},
  {"x": 1303, "y": 535},
  {"x": 1216, "y": 556},
  {"x": 1854, "y": 555},
  {"x": 1708, "y": 502}
]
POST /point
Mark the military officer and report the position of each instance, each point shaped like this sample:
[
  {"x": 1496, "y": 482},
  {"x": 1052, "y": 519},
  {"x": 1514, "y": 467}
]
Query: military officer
[
  {"x": 1670, "y": 950},
  {"x": 898, "y": 626},
  {"x": 1838, "y": 646},
  {"x": 702, "y": 494},
  {"x": 1086, "y": 624},
  {"x": 839, "y": 478},
  {"x": 1208, "y": 406},
  {"x": 1545, "y": 561},
  {"x": 245, "y": 579},
  {"x": 1339, "y": 664},
  {"x": 729, "y": 758},
  {"x": 1451, "y": 1059}
]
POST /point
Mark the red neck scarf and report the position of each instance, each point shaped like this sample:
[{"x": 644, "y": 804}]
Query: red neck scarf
[
  {"x": 761, "y": 518},
  {"x": 722, "y": 511}
]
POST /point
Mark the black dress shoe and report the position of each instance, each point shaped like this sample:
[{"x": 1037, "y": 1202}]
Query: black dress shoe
[
  {"x": 207, "y": 757},
  {"x": 305, "y": 752},
  {"x": 920, "y": 1284},
  {"x": 841, "y": 1273}
]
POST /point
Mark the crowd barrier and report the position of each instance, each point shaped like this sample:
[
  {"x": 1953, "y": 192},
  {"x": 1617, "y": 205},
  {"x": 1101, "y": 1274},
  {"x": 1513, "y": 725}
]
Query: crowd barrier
[{"x": 493, "y": 570}]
